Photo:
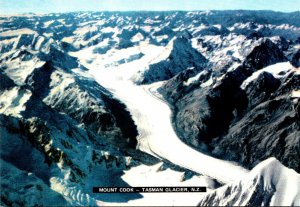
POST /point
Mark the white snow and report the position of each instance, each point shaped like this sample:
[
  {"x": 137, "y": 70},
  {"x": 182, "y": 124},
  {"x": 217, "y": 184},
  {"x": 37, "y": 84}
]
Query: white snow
[
  {"x": 164, "y": 54},
  {"x": 161, "y": 37},
  {"x": 278, "y": 70},
  {"x": 59, "y": 81},
  {"x": 61, "y": 21},
  {"x": 286, "y": 182},
  {"x": 268, "y": 184},
  {"x": 137, "y": 38},
  {"x": 39, "y": 42},
  {"x": 151, "y": 21},
  {"x": 68, "y": 39},
  {"x": 84, "y": 30},
  {"x": 49, "y": 35},
  {"x": 78, "y": 40},
  {"x": 17, "y": 32},
  {"x": 46, "y": 24},
  {"x": 192, "y": 79},
  {"x": 110, "y": 29},
  {"x": 226, "y": 48},
  {"x": 144, "y": 176},
  {"x": 12, "y": 102},
  {"x": 94, "y": 22},
  {"x": 209, "y": 82},
  {"x": 287, "y": 27},
  {"x": 215, "y": 39},
  {"x": 72, "y": 194},
  {"x": 13, "y": 71},
  {"x": 9, "y": 41},
  {"x": 128, "y": 70},
  {"x": 218, "y": 26},
  {"x": 196, "y": 78},
  {"x": 146, "y": 28},
  {"x": 295, "y": 94}
]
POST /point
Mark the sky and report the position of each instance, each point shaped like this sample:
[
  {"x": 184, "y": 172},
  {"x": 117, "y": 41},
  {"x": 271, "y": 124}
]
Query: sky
[{"x": 50, "y": 6}]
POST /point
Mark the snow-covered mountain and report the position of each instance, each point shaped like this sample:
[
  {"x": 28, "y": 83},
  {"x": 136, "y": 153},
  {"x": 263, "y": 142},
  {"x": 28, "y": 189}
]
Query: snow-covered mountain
[
  {"x": 86, "y": 100},
  {"x": 266, "y": 185},
  {"x": 166, "y": 69}
]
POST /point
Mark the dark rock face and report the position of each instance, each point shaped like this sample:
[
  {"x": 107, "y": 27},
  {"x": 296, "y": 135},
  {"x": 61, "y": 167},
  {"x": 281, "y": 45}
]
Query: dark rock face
[
  {"x": 25, "y": 40},
  {"x": 209, "y": 110},
  {"x": 5, "y": 82},
  {"x": 30, "y": 188},
  {"x": 226, "y": 95},
  {"x": 255, "y": 35},
  {"x": 270, "y": 129},
  {"x": 212, "y": 30},
  {"x": 296, "y": 59},
  {"x": 59, "y": 58},
  {"x": 123, "y": 121},
  {"x": 282, "y": 43},
  {"x": 230, "y": 122},
  {"x": 261, "y": 89},
  {"x": 269, "y": 126},
  {"x": 182, "y": 57},
  {"x": 222, "y": 100},
  {"x": 39, "y": 80},
  {"x": 178, "y": 83},
  {"x": 37, "y": 152},
  {"x": 265, "y": 54}
]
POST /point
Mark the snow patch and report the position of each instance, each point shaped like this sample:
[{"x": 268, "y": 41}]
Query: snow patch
[
  {"x": 278, "y": 70},
  {"x": 192, "y": 79},
  {"x": 295, "y": 94},
  {"x": 110, "y": 29},
  {"x": 17, "y": 32},
  {"x": 12, "y": 102},
  {"x": 48, "y": 23},
  {"x": 137, "y": 38}
]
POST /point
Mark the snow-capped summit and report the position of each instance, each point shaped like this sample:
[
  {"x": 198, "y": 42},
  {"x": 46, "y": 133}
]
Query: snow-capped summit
[
  {"x": 268, "y": 184},
  {"x": 182, "y": 57}
]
